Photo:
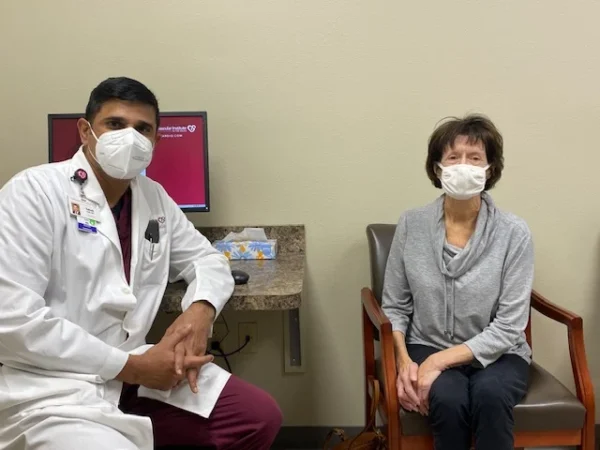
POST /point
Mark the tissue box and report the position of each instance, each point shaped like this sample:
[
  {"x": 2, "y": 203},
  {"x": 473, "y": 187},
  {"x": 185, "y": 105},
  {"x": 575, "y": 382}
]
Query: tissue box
[{"x": 248, "y": 249}]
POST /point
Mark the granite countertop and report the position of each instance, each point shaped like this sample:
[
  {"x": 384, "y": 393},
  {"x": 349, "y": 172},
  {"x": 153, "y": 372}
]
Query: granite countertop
[{"x": 273, "y": 285}]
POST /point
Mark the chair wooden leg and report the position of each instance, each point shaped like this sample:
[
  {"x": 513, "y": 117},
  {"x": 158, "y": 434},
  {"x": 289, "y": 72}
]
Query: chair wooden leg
[
  {"x": 588, "y": 434},
  {"x": 394, "y": 440},
  {"x": 369, "y": 355},
  {"x": 588, "y": 439}
]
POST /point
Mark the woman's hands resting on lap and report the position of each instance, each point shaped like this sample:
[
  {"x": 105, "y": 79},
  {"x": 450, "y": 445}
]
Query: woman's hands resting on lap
[
  {"x": 413, "y": 389},
  {"x": 414, "y": 383},
  {"x": 406, "y": 385},
  {"x": 428, "y": 373}
]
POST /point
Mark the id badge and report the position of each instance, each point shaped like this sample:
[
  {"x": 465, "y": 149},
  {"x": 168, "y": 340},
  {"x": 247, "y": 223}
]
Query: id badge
[
  {"x": 87, "y": 225},
  {"x": 83, "y": 208}
]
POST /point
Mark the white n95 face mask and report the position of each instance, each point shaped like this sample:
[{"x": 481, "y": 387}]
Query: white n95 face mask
[
  {"x": 463, "y": 181},
  {"x": 123, "y": 154}
]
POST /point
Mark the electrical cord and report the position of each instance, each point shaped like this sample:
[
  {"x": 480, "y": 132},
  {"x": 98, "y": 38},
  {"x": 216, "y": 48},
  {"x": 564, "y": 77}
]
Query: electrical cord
[
  {"x": 216, "y": 347},
  {"x": 220, "y": 349},
  {"x": 224, "y": 356},
  {"x": 222, "y": 318}
]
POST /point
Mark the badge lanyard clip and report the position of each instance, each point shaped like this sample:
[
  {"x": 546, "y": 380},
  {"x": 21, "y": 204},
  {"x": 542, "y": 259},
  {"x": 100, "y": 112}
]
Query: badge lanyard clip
[
  {"x": 81, "y": 177},
  {"x": 85, "y": 213}
]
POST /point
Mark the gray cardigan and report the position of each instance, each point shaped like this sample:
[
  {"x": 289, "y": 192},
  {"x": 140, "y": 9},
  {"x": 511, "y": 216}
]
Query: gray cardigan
[{"x": 442, "y": 296}]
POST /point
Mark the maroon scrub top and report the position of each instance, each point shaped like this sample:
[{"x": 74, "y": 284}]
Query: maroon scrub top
[{"x": 122, "y": 214}]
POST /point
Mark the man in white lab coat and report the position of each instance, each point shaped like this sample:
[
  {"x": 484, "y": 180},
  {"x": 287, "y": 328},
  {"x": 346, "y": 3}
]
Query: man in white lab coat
[{"x": 79, "y": 292}]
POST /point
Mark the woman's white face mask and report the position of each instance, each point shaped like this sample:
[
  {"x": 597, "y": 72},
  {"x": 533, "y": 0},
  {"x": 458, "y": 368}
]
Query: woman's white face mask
[
  {"x": 463, "y": 181},
  {"x": 123, "y": 154}
]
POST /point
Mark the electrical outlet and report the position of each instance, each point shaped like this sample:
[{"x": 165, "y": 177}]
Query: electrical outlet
[
  {"x": 219, "y": 332},
  {"x": 248, "y": 329}
]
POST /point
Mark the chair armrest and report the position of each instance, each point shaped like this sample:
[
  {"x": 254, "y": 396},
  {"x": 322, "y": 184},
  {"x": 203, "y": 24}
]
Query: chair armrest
[
  {"x": 579, "y": 365},
  {"x": 374, "y": 311},
  {"x": 555, "y": 312},
  {"x": 373, "y": 316}
]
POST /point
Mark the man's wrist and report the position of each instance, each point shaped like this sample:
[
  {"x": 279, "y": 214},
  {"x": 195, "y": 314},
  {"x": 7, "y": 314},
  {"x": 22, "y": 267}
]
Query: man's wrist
[
  {"x": 204, "y": 307},
  {"x": 132, "y": 370}
]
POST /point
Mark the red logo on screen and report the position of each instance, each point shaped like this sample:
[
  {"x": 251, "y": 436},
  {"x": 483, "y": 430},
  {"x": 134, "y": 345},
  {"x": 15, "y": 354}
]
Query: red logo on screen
[{"x": 192, "y": 128}]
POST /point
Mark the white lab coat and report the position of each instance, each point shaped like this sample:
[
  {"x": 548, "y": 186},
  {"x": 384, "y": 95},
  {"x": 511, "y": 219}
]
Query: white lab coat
[{"x": 68, "y": 317}]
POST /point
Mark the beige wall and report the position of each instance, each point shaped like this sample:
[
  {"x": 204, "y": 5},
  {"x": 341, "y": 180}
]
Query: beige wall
[{"x": 319, "y": 113}]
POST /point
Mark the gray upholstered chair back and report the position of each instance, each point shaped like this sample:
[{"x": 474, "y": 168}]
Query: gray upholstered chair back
[{"x": 380, "y": 238}]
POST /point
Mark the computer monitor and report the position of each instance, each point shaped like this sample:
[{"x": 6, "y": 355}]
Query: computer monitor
[{"x": 180, "y": 161}]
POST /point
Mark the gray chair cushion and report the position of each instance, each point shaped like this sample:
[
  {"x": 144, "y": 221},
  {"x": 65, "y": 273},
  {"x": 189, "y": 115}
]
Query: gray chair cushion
[{"x": 548, "y": 406}]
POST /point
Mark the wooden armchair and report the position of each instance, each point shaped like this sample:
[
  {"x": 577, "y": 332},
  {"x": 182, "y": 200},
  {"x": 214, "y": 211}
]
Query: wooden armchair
[{"x": 549, "y": 415}]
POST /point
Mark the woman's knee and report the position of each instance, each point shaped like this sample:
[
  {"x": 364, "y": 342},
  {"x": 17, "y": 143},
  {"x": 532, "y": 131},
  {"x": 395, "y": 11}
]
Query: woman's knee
[
  {"x": 449, "y": 394},
  {"x": 490, "y": 395}
]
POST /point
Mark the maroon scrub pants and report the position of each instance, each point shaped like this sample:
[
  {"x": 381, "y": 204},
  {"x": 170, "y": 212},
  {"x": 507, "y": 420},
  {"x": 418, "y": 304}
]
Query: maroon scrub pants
[{"x": 244, "y": 418}]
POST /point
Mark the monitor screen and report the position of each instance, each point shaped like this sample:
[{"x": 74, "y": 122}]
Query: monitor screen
[{"x": 180, "y": 161}]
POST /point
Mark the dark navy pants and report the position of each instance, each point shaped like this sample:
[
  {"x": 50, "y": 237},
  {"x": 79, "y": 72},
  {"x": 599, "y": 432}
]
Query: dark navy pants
[{"x": 466, "y": 402}]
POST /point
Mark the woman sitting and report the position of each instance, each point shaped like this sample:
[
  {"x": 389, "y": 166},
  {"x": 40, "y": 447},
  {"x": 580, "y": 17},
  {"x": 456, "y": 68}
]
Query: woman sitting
[{"x": 457, "y": 290}]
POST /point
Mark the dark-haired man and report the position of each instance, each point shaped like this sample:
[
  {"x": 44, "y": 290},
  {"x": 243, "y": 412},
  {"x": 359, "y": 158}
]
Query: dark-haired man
[{"x": 79, "y": 292}]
